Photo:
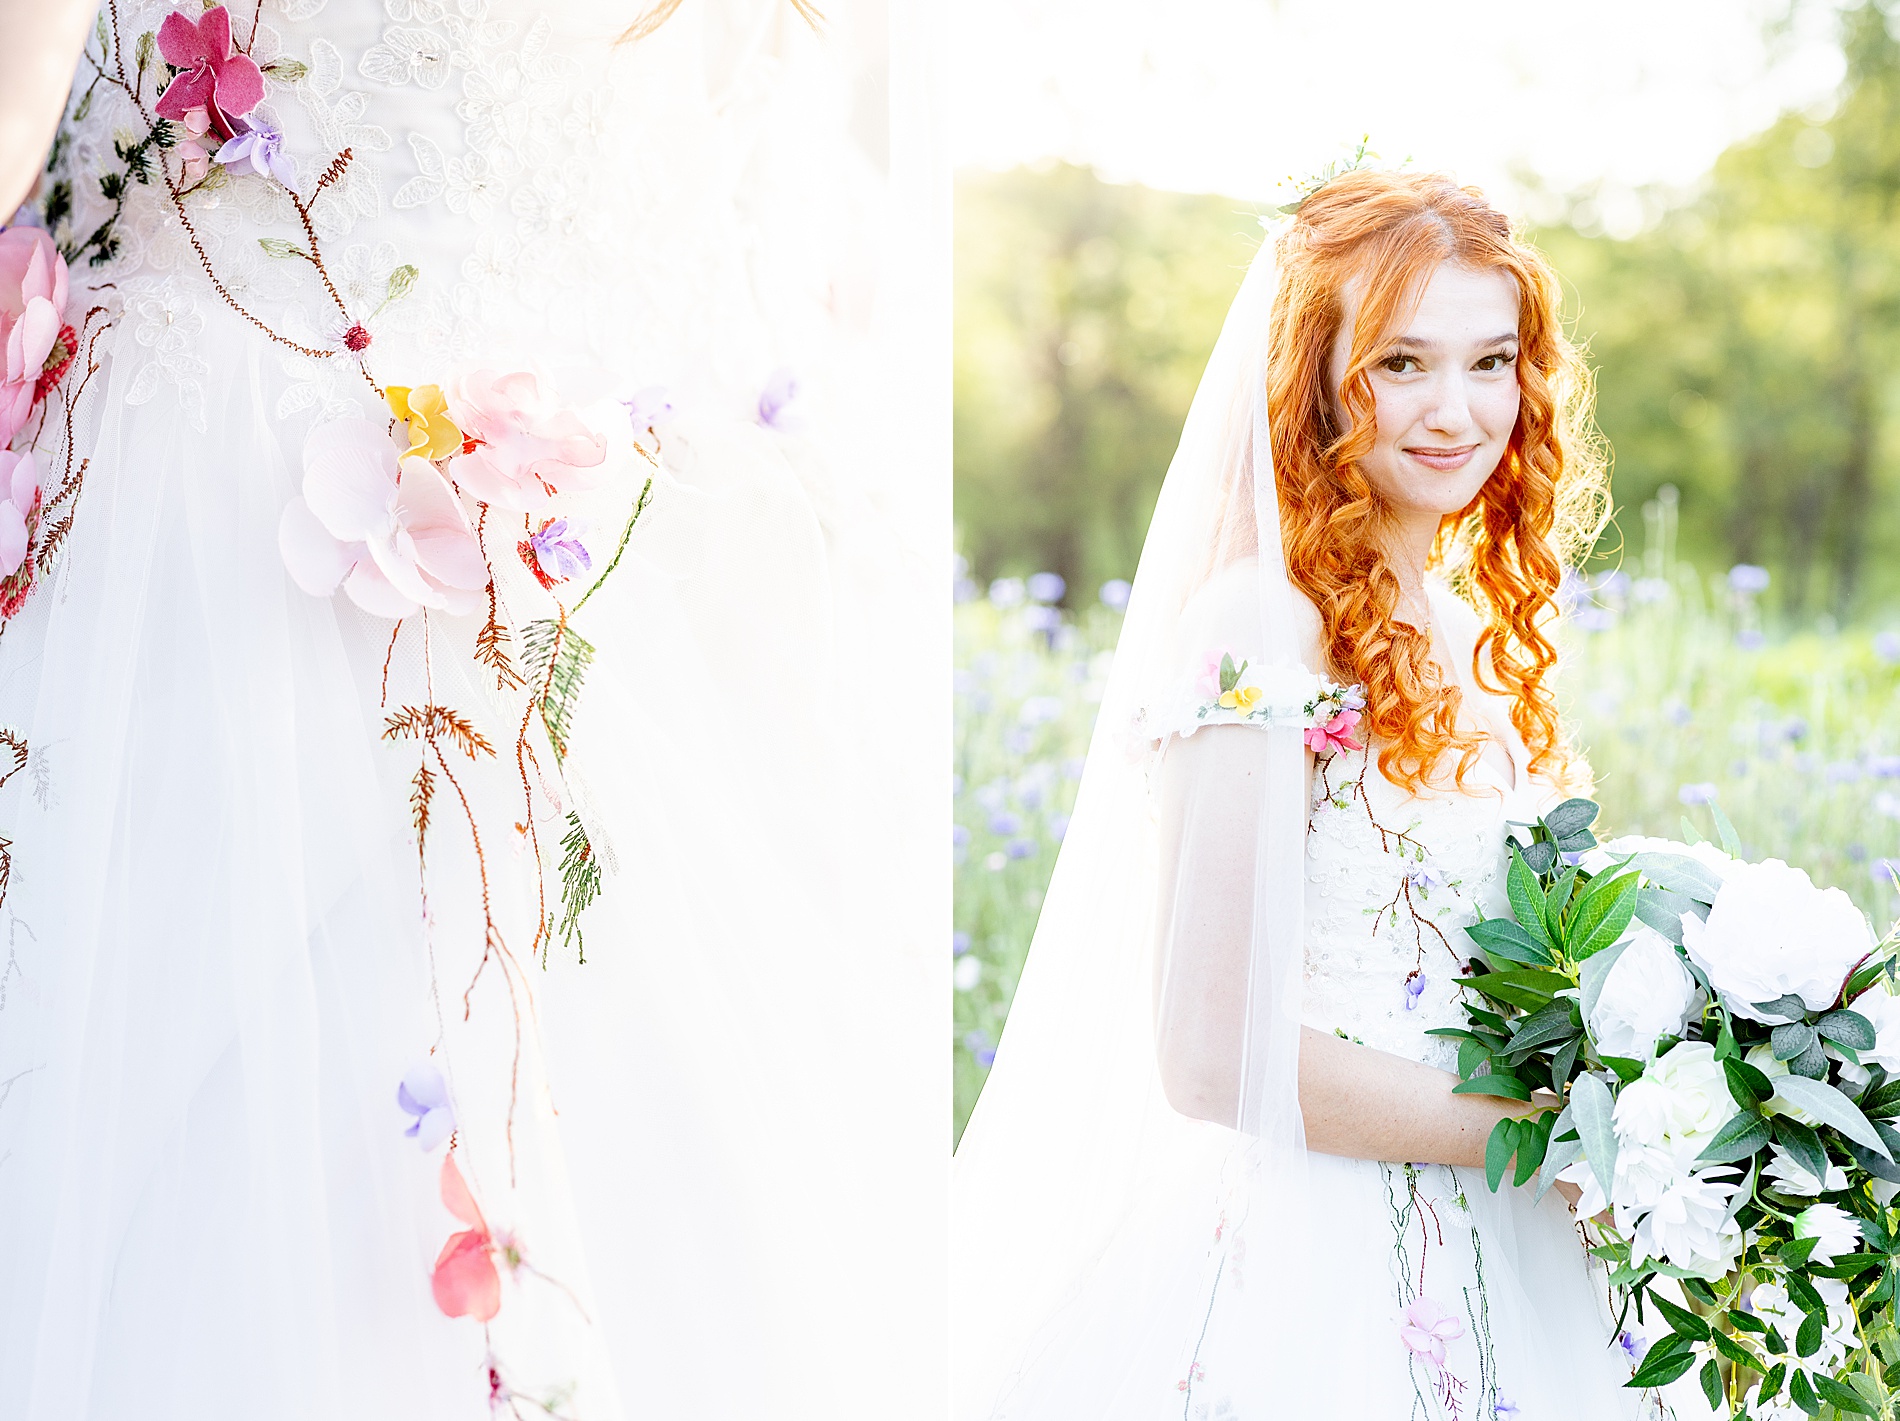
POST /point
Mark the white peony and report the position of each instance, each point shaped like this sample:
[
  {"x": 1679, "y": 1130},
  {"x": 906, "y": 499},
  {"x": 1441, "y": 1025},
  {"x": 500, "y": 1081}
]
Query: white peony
[
  {"x": 1678, "y": 1104},
  {"x": 1771, "y": 933},
  {"x": 1834, "y": 1230},
  {"x": 1882, "y": 1009},
  {"x": 1687, "y": 1225},
  {"x": 1705, "y": 854},
  {"x": 1646, "y": 994}
]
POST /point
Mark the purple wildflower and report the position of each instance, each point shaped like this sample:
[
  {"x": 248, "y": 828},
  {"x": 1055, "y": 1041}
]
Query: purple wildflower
[
  {"x": 1020, "y": 848},
  {"x": 776, "y": 400},
  {"x": 558, "y": 552},
  {"x": 1697, "y": 794},
  {"x": 1046, "y": 586},
  {"x": 1114, "y": 594},
  {"x": 649, "y": 408},
  {"x": 1747, "y": 578},
  {"x": 1887, "y": 647},
  {"x": 258, "y": 146}
]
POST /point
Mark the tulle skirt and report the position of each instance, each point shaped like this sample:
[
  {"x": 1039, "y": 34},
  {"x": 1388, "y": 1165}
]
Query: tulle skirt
[
  {"x": 696, "y": 1153},
  {"x": 1388, "y": 1292}
]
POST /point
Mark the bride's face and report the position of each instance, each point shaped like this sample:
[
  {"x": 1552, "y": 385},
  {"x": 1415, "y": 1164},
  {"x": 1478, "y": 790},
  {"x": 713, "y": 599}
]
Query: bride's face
[{"x": 1445, "y": 392}]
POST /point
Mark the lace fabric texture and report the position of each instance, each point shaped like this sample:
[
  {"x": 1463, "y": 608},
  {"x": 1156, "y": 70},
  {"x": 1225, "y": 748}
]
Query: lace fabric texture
[{"x": 219, "y": 961}]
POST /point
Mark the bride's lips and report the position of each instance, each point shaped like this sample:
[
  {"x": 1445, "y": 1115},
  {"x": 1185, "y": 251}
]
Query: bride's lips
[{"x": 1444, "y": 460}]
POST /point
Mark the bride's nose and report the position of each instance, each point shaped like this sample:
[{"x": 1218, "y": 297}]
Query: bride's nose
[{"x": 1448, "y": 412}]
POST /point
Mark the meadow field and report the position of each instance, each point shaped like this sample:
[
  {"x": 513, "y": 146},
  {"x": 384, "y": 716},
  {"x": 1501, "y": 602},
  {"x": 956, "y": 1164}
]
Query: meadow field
[{"x": 1679, "y": 686}]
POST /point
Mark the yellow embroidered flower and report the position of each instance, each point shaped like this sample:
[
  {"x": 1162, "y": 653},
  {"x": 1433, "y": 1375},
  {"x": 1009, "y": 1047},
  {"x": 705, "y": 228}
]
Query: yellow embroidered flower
[
  {"x": 432, "y": 434},
  {"x": 1241, "y": 698}
]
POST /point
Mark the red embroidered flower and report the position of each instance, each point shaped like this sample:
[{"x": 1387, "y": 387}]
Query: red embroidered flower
[
  {"x": 464, "y": 1281},
  {"x": 58, "y": 361},
  {"x": 212, "y": 74},
  {"x": 357, "y": 338}
]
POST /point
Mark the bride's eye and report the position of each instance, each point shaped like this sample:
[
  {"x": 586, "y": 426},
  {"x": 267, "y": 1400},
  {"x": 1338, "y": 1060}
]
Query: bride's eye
[
  {"x": 1499, "y": 360},
  {"x": 1400, "y": 364}
]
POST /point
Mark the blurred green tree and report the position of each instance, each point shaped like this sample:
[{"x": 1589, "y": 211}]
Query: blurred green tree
[
  {"x": 1745, "y": 344},
  {"x": 1085, "y": 312}
]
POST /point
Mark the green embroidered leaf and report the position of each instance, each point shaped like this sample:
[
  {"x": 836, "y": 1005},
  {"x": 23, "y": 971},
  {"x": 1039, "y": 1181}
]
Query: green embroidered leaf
[
  {"x": 282, "y": 250},
  {"x": 1229, "y": 673},
  {"x": 559, "y": 657},
  {"x": 401, "y": 281},
  {"x": 580, "y": 883},
  {"x": 287, "y": 71}
]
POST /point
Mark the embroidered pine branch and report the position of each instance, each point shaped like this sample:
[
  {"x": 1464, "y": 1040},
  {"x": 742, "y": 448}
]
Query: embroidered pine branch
[
  {"x": 639, "y": 507},
  {"x": 491, "y": 648},
  {"x": 421, "y": 794},
  {"x": 580, "y": 883},
  {"x": 559, "y": 657},
  {"x": 433, "y": 723}
]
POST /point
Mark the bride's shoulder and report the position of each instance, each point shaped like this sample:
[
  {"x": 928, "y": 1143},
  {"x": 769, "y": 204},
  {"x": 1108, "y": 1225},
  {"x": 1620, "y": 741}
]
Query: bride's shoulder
[{"x": 1226, "y": 611}]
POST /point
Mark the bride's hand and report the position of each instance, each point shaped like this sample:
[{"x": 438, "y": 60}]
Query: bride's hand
[{"x": 1572, "y": 1194}]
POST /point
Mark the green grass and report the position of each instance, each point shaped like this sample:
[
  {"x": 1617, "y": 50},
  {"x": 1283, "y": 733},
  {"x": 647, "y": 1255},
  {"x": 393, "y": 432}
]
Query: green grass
[{"x": 1670, "y": 684}]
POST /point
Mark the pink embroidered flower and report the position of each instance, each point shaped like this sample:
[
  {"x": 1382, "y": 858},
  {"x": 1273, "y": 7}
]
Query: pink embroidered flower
[
  {"x": 1207, "y": 684},
  {"x": 388, "y": 530},
  {"x": 522, "y": 448},
  {"x": 1336, "y": 734},
  {"x": 214, "y": 75},
  {"x": 1426, "y": 1330},
  {"x": 32, "y": 322},
  {"x": 20, "y": 481},
  {"x": 464, "y": 1279}
]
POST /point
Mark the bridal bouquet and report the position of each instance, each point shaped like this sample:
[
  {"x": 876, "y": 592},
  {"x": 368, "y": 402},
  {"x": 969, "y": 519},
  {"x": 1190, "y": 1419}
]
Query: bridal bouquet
[{"x": 1724, "y": 1052}]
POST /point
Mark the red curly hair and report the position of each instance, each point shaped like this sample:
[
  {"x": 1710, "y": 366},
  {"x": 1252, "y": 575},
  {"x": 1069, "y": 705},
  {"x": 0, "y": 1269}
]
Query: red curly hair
[{"x": 1544, "y": 505}]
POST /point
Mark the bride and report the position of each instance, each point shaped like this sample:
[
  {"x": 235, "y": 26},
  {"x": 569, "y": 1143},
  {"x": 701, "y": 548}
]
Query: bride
[
  {"x": 1218, "y": 1170},
  {"x": 446, "y": 876}
]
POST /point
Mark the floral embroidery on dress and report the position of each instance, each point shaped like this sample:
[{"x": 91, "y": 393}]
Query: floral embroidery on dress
[{"x": 1239, "y": 693}]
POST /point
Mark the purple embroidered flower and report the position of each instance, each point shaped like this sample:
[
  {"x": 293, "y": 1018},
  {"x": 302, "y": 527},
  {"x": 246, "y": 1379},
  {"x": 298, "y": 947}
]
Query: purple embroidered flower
[
  {"x": 425, "y": 1095},
  {"x": 649, "y": 408},
  {"x": 558, "y": 552},
  {"x": 776, "y": 400},
  {"x": 1352, "y": 699},
  {"x": 1505, "y": 1408},
  {"x": 258, "y": 146},
  {"x": 1415, "y": 986}
]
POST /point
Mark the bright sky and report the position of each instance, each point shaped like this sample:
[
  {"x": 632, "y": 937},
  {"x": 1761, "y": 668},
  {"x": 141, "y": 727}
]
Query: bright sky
[{"x": 1232, "y": 96}]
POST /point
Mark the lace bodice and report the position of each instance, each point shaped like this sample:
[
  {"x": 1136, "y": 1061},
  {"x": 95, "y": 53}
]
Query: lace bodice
[
  {"x": 1391, "y": 878},
  {"x": 519, "y": 188}
]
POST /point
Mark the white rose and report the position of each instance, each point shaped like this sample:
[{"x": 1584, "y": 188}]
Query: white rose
[
  {"x": 1772, "y": 933},
  {"x": 1882, "y": 1009},
  {"x": 1762, "y": 1058},
  {"x": 1646, "y": 994},
  {"x": 1679, "y": 1103}
]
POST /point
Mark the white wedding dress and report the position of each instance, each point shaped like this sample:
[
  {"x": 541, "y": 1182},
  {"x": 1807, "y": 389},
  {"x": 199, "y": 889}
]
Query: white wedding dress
[
  {"x": 690, "y": 1154},
  {"x": 1510, "y": 1316}
]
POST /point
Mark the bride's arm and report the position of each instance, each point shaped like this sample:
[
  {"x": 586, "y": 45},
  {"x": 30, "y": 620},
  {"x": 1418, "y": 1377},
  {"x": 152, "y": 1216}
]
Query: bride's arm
[
  {"x": 40, "y": 41},
  {"x": 1356, "y": 1101}
]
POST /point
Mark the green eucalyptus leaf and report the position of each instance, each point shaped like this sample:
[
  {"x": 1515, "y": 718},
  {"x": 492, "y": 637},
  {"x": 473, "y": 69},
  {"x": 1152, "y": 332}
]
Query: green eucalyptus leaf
[
  {"x": 1791, "y": 1039},
  {"x": 1847, "y": 1028},
  {"x": 1571, "y": 817},
  {"x": 1680, "y": 874}
]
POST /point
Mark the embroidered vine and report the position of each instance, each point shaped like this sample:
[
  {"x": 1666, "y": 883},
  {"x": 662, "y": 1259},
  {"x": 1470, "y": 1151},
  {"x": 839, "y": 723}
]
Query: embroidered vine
[{"x": 1428, "y": 1329}]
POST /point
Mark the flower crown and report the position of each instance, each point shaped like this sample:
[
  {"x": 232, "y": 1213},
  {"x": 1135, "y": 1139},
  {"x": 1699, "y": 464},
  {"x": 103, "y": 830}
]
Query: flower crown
[{"x": 1361, "y": 156}]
